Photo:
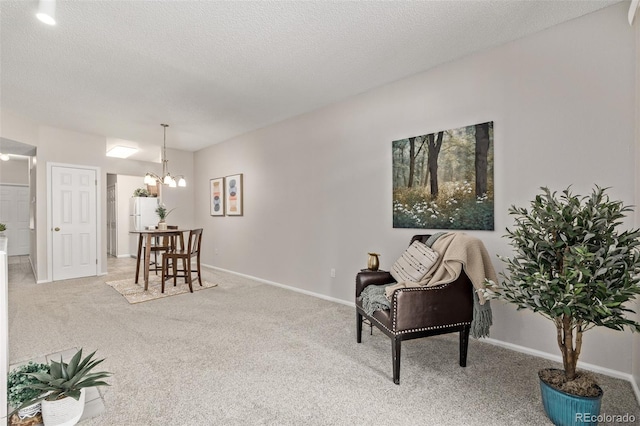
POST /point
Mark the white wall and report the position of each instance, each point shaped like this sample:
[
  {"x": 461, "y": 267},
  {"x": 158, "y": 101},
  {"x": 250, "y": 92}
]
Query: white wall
[
  {"x": 18, "y": 128},
  {"x": 15, "y": 171},
  {"x": 318, "y": 187}
]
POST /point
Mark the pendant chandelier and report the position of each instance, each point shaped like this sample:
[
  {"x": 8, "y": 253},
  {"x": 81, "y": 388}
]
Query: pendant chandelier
[{"x": 152, "y": 179}]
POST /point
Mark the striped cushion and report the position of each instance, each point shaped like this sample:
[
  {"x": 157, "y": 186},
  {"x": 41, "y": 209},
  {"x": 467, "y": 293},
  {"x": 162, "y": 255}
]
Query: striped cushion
[{"x": 414, "y": 263}]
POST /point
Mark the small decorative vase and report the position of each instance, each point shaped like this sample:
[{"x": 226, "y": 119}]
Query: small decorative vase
[
  {"x": 63, "y": 412},
  {"x": 374, "y": 263},
  {"x": 162, "y": 225}
]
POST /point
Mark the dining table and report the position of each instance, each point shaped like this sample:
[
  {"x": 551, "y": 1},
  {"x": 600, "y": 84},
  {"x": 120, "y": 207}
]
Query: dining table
[{"x": 145, "y": 239}]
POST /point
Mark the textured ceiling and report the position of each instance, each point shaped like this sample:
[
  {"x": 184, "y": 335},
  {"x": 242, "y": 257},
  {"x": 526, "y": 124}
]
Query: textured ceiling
[{"x": 214, "y": 70}]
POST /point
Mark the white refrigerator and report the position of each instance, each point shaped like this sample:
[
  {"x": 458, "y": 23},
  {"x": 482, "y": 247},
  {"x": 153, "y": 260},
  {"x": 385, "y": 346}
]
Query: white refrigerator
[{"x": 142, "y": 214}]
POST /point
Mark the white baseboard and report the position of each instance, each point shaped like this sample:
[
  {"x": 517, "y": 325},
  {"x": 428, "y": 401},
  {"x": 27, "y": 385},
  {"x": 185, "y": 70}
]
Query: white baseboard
[
  {"x": 273, "y": 283},
  {"x": 636, "y": 390},
  {"x": 583, "y": 365},
  {"x": 557, "y": 358},
  {"x": 586, "y": 366},
  {"x": 33, "y": 269}
]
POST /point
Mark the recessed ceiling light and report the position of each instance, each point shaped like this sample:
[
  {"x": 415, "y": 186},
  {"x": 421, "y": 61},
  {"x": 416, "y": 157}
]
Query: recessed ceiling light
[
  {"x": 4, "y": 157},
  {"x": 47, "y": 12},
  {"x": 121, "y": 151}
]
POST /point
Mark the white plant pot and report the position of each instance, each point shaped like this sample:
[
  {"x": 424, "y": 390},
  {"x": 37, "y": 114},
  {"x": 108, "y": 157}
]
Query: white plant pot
[
  {"x": 29, "y": 411},
  {"x": 63, "y": 412}
]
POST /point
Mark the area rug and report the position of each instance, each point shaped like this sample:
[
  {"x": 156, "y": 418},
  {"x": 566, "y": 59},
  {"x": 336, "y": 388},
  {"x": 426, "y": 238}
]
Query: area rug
[{"x": 135, "y": 293}]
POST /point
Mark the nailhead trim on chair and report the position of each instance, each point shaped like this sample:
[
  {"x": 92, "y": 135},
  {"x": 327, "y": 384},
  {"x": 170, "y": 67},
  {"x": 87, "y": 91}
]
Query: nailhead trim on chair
[
  {"x": 395, "y": 311},
  {"x": 432, "y": 328},
  {"x": 418, "y": 329}
]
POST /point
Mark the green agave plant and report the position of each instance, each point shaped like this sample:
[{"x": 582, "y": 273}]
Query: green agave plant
[{"x": 66, "y": 380}]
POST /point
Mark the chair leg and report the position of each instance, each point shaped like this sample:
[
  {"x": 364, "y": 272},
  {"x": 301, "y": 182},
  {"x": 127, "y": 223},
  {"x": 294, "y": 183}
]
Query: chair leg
[
  {"x": 358, "y": 327},
  {"x": 163, "y": 273},
  {"x": 175, "y": 271},
  {"x": 464, "y": 344},
  {"x": 155, "y": 262},
  {"x": 184, "y": 269},
  {"x": 395, "y": 351},
  {"x": 198, "y": 268},
  {"x": 189, "y": 280}
]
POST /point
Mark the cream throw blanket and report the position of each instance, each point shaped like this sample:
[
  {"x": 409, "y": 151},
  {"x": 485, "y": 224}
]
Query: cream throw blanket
[{"x": 457, "y": 251}]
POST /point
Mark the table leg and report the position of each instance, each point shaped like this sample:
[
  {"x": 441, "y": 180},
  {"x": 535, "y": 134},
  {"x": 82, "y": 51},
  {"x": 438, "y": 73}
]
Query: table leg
[
  {"x": 147, "y": 258},
  {"x": 138, "y": 257}
]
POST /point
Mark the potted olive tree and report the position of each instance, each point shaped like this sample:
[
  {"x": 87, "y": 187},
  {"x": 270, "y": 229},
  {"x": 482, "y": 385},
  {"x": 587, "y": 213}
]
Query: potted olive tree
[
  {"x": 574, "y": 266},
  {"x": 62, "y": 389}
]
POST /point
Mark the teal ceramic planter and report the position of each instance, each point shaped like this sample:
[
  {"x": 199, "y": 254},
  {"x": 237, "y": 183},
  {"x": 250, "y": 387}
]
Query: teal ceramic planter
[{"x": 564, "y": 409}]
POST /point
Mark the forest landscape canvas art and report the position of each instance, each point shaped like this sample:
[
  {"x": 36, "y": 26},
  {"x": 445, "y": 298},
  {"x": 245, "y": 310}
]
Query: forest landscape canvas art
[{"x": 444, "y": 180}]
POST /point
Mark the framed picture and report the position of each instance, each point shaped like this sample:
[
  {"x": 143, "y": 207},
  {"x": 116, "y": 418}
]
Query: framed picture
[
  {"x": 216, "y": 191},
  {"x": 444, "y": 180},
  {"x": 233, "y": 195}
]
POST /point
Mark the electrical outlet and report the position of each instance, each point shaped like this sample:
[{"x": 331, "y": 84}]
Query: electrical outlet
[
  {"x": 216, "y": 251},
  {"x": 333, "y": 273}
]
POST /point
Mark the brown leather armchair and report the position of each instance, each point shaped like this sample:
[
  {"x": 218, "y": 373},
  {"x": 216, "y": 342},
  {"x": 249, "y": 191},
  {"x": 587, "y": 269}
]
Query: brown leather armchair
[{"x": 418, "y": 311}]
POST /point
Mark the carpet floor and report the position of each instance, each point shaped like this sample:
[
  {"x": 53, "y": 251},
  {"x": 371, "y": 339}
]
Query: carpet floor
[{"x": 246, "y": 353}]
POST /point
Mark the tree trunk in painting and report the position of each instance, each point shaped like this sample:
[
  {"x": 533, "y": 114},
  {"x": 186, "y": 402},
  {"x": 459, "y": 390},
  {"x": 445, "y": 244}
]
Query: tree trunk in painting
[
  {"x": 482, "y": 149},
  {"x": 412, "y": 161},
  {"x": 424, "y": 168},
  {"x": 434, "y": 145},
  {"x": 425, "y": 181}
]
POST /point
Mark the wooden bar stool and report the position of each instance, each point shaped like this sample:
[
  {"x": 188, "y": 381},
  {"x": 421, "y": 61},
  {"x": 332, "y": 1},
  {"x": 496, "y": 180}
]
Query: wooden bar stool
[{"x": 170, "y": 260}]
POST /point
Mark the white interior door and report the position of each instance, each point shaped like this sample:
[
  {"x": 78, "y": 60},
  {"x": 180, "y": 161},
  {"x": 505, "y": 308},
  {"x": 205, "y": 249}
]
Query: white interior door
[
  {"x": 14, "y": 212},
  {"x": 74, "y": 222},
  {"x": 112, "y": 221}
]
